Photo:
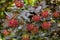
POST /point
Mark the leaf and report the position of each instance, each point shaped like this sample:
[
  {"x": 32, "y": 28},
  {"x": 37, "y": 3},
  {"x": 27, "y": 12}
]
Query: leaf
[{"x": 9, "y": 14}]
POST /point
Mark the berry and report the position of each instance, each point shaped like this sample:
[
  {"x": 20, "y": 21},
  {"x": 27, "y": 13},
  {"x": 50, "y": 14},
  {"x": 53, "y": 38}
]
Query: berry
[
  {"x": 35, "y": 30},
  {"x": 56, "y": 14},
  {"x": 46, "y": 25},
  {"x": 19, "y": 3},
  {"x": 13, "y": 23},
  {"x": 36, "y": 18},
  {"x": 30, "y": 27},
  {"x": 6, "y": 32},
  {"x": 44, "y": 14}
]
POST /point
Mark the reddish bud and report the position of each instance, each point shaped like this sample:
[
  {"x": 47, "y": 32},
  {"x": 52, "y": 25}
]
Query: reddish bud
[
  {"x": 46, "y": 25},
  {"x": 56, "y": 14},
  {"x": 30, "y": 27},
  {"x": 19, "y": 3},
  {"x": 13, "y": 23},
  {"x": 6, "y": 32},
  {"x": 44, "y": 14},
  {"x": 35, "y": 30},
  {"x": 36, "y": 18}
]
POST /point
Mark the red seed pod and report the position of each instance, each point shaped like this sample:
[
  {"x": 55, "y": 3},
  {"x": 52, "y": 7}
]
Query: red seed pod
[
  {"x": 30, "y": 27},
  {"x": 19, "y": 3},
  {"x": 6, "y": 32},
  {"x": 44, "y": 14},
  {"x": 46, "y": 25},
  {"x": 56, "y": 14},
  {"x": 35, "y": 30},
  {"x": 13, "y": 23},
  {"x": 36, "y": 18}
]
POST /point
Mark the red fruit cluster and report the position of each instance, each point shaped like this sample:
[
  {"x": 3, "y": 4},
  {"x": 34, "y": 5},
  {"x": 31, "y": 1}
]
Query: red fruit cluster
[
  {"x": 25, "y": 37},
  {"x": 44, "y": 14},
  {"x": 32, "y": 28},
  {"x": 6, "y": 32},
  {"x": 19, "y": 3},
  {"x": 36, "y": 18},
  {"x": 56, "y": 14},
  {"x": 46, "y": 25},
  {"x": 13, "y": 23},
  {"x": 35, "y": 30}
]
